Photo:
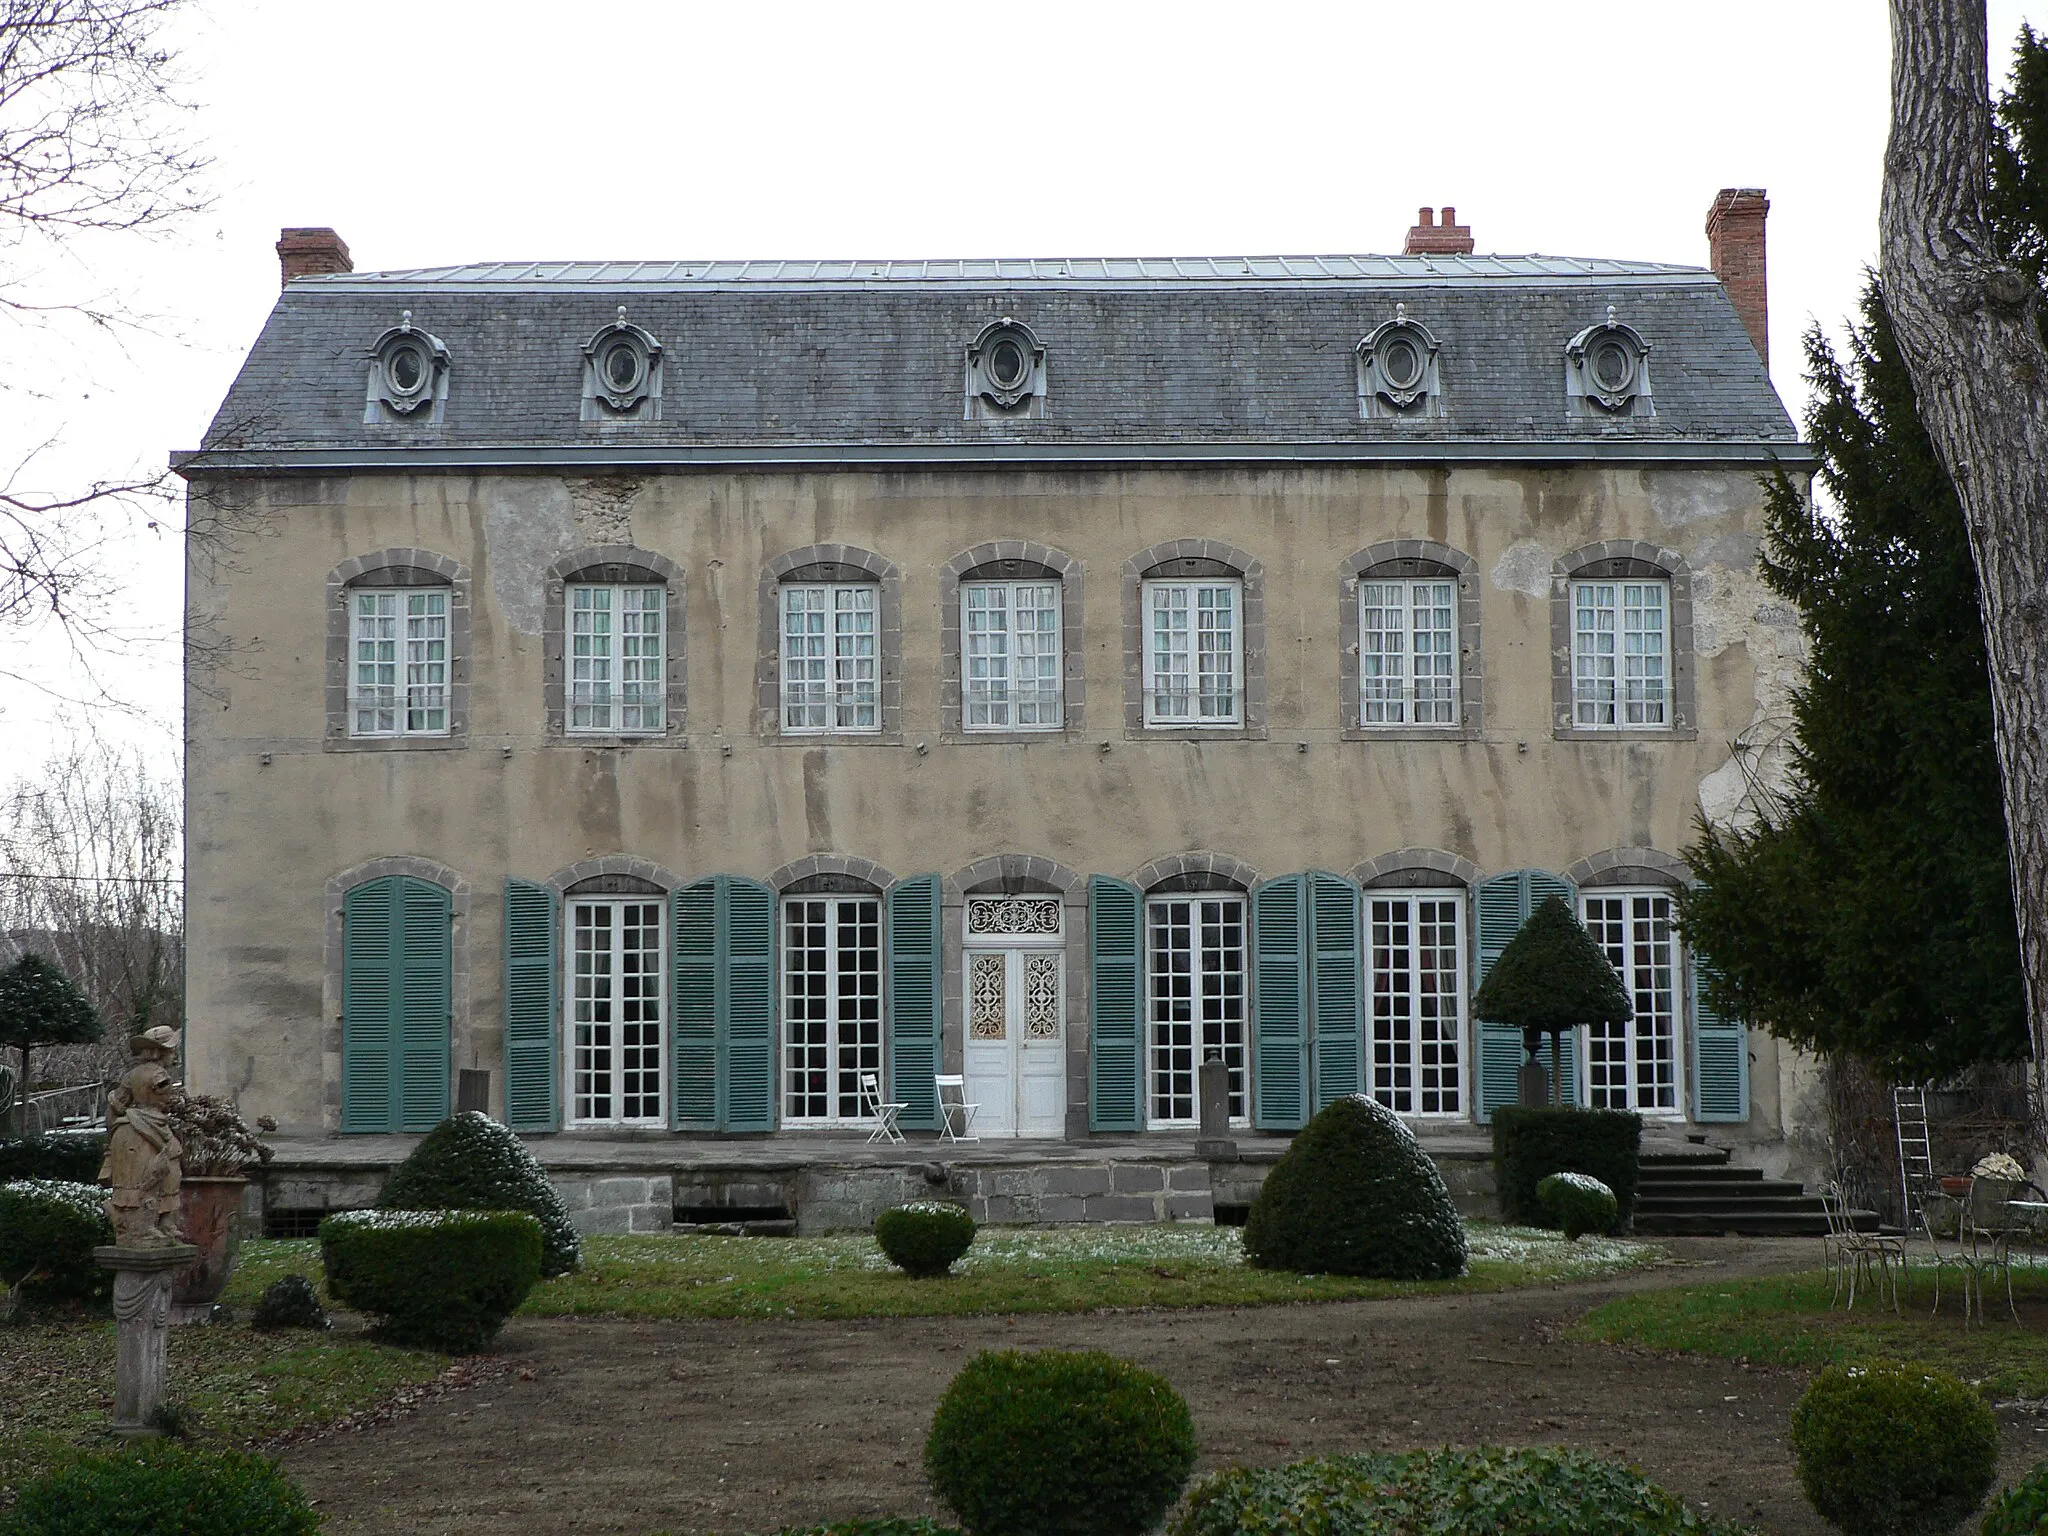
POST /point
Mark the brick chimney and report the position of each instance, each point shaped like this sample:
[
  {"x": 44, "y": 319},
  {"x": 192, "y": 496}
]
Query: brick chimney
[
  {"x": 311, "y": 252},
  {"x": 1447, "y": 238},
  {"x": 1735, "y": 236}
]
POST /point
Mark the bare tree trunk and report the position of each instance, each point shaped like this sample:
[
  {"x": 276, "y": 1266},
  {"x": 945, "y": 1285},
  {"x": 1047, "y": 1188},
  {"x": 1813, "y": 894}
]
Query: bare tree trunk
[{"x": 1967, "y": 324}]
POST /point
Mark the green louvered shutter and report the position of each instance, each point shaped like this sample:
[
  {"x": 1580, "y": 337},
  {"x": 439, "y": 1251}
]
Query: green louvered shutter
[
  {"x": 532, "y": 1007},
  {"x": 1720, "y": 1055},
  {"x": 693, "y": 1013},
  {"x": 1502, "y": 903},
  {"x": 1115, "y": 1004},
  {"x": 369, "y": 990},
  {"x": 425, "y": 913},
  {"x": 749, "y": 958},
  {"x": 1280, "y": 1004},
  {"x": 914, "y": 1009},
  {"x": 1336, "y": 986}
]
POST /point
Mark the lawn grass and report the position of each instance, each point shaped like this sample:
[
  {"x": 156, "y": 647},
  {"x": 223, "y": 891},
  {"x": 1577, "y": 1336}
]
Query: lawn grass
[
  {"x": 238, "y": 1386},
  {"x": 1787, "y": 1320}
]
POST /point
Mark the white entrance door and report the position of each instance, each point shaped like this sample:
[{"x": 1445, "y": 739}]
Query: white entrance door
[{"x": 1015, "y": 1050}]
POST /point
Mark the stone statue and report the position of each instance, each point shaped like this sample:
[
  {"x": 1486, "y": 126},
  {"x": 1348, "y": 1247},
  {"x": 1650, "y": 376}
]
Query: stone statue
[{"x": 144, "y": 1162}]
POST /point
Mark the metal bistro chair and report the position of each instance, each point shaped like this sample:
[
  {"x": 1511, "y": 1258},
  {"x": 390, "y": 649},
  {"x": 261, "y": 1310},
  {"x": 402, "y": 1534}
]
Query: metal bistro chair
[
  {"x": 1853, "y": 1252},
  {"x": 956, "y": 1115},
  {"x": 884, "y": 1115},
  {"x": 1984, "y": 1240}
]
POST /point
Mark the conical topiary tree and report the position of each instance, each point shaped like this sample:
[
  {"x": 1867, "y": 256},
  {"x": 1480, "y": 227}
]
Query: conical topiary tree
[
  {"x": 1552, "y": 977},
  {"x": 469, "y": 1162},
  {"x": 39, "y": 1006}
]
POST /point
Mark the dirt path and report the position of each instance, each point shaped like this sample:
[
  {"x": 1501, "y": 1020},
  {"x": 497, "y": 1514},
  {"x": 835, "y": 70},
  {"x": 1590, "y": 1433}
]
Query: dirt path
[{"x": 635, "y": 1427}]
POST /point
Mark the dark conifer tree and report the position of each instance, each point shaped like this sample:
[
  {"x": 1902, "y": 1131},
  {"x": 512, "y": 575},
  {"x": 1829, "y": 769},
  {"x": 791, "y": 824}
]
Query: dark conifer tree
[{"x": 40, "y": 1006}]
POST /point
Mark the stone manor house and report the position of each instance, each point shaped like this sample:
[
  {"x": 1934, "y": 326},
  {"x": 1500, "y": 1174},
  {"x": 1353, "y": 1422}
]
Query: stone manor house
[{"x": 683, "y": 689}]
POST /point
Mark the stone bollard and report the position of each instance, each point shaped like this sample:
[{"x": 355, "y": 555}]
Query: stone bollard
[
  {"x": 1214, "y": 1143},
  {"x": 142, "y": 1311}
]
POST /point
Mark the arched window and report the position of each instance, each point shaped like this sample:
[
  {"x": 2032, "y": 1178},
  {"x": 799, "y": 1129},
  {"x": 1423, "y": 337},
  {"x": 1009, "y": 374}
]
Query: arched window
[
  {"x": 831, "y": 645},
  {"x": 1621, "y": 636},
  {"x": 1195, "y": 635},
  {"x": 614, "y": 635},
  {"x": 397, "y": 650},
  {"x": 1409, "y": 646}
]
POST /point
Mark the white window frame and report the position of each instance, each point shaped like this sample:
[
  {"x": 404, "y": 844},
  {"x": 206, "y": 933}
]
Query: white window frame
[
  {"x": 1408, "y": 671},
  {"x": 615, "y": 659},
  {"x": 1179, "y": 692},
  {"x": 409, "y": 644},
  {"x": 1210, "y": 992},
  {"x": 835, "y": 677},
  {"x": 1398, "y": 967},
  {"x": 844, "y": 1053},
  {"x": 995, "y": 652},
  {"x": 573, "y": 1065},
  {"x": 1635, "y": 928},
  {"x": 1621, "y": 654}
]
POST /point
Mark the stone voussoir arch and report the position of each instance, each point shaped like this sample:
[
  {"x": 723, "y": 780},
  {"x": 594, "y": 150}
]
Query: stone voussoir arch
[
  {"x": 1629, "y": 866},
  {"x": 814, "y": 864},
  {"x": 594, "y": 556},
  {"x": 615, "y": 864},
  {"x": 1416, "y": 866},
  {"x": 1009, "y": 868},
  {"x": 1198, "y": 861}
]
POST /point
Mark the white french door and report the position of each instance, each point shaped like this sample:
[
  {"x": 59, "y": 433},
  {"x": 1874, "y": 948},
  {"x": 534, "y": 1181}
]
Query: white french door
[
  {"x": 831, "y": 1007},
  {"x": 1635, "y": 1065},
  {"x": 1195, "y": 975},
  {"x": 1418, "y": 1014},
  {"x": 1014, "y": 1049},
  {"x": 614, "y": 1003}
]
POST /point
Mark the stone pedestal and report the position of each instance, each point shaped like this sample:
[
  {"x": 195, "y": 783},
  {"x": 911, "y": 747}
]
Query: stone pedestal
[
  {"x": 1214, "y": 1141},
  {"x": 142, "y": 1311}
]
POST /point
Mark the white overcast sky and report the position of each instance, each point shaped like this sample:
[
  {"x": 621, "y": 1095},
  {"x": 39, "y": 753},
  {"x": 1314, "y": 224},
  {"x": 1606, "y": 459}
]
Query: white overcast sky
[{"x": 440, "y": 131}]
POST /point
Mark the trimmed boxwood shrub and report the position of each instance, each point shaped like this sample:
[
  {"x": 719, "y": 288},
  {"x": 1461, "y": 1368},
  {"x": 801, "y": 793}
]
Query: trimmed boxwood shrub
[
  {"x": 925, "y": 1237},
  {"x": 74, "y": 1158},
  {"x": 1356, "y": 1195},
  {"x": 444, "y": 1280},
  {"x": 1484, "y": 1492},
  {"x": 48, "y": 1230},
  {"x": 469, "y": 1162},
  {"x": 1531, "y": 1144},
  {"x": 162, "y": 1489},
  {"x": 1893, "y": 1450},
  {"x": 2022, "y": 1510},
  {"x": 290, "y": 1303},
  {"x": 1578, "y": 1203},
  {"x": 1057, "y": 1444}
]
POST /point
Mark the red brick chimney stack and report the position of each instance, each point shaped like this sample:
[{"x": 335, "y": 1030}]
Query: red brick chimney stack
[
  {"x": 1446, "y": 238},
  {"x": 1735, "y": 236},
  {"x": 311, "y": 252}
]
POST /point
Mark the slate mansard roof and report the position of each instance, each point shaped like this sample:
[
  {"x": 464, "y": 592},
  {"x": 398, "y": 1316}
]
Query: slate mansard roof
[{"x": 850, "y": 361}]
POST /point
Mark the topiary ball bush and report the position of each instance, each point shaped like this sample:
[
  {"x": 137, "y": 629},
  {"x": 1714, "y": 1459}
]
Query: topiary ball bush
[
  {"x": 290, "y": 1303},
  {"x": 1058, "y": 1444},
  {"x": 1530, "y": 1144},
  {"x": 1578, "y": 1203},
  {"x": 1356, "y": 1195},
  {"x": 1891, "y": 1450},
  {"x": 443, "y": 1280},
  {"x": 924, "y": 1238},
  {"x": 2022, "y": 1510},
  {"x": 469, "y": 1162},
  {"x": 165, "y": 1489},
  {"x": 48, "y": 1230}
]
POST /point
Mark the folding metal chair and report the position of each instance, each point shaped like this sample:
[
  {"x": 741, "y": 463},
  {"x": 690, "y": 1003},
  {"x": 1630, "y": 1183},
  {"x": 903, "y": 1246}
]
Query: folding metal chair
[
  {"x": 885, "y": 1115},
  {"x": 956, "y": 1115}
]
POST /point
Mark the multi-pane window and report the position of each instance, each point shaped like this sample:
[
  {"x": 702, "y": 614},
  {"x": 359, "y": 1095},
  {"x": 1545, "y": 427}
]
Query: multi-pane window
[
  {"x": 1194, "y": 652},
  {"x": 1634, "y": 1065},
  {"x": 398, "y": 661},
  {"x": 830, "y": 663},
  {"x": 616, "y": 658},
  {"x": 615, "y": 1011},
  {"x": 831, "y": 1004},
  {"x": 1408, "y": 652},
  {"x": 1194, "y": 1001},
  {"x": 1010, "y": 661},
  {"x": 1418, "y": 1026},
  {"x": 1621, "y": 654}
]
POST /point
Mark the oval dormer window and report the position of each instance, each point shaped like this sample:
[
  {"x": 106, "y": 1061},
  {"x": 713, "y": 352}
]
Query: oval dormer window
[
  {"x": 1005, "y": 371},
  {"x": 1613, "y": 367},
  {"x": 1006, "y": 363},
  {"x": 408, "y": 375},
  {"x": 1397, "y": 371},
  {"x": 1401, "y": 362},
  {"x": 622, "y": 366},
  {"x": 621, "y": 372},
  {"x": 1607, "y": 370},
  {"x": 406, "y": 369}
]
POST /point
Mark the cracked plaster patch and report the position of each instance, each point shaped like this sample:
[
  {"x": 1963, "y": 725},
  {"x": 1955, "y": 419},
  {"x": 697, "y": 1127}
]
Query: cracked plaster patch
[
  {"x": 528, "y": 525},
  {"x": 1681, "y": 496},
  {"x": 1523, "y": 567},
  {"x": 604, "y": 508}
]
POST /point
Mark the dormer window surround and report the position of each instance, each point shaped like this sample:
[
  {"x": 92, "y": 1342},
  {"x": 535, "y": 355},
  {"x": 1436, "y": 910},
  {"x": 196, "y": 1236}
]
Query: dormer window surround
[
  {"x": 1005, "y": 373},
  {"x": 1397, "y": 371},
  {"x": 408, "y": 376},
  {"x": 1607, "y": 371},
  {"x": 622, "y": 373}
]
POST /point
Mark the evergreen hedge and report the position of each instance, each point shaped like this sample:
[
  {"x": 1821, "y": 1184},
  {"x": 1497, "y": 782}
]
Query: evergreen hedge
[
  {"x": 443, "y": 1280},
  {"x": 469, "y": 1162},
  {"x": 924, "y": 1238},
  {"x": 48, "y": 1230},
  {"x": 1531, "y": 1144},
  {"x": 75, "y": 1159},
  {"x": 1485, "y": 1492},
  {"x": 1356, "y": 1195},
  {"x": 1057, "y": 1444},
  {"x": 1893, "y": 1450},
  {"x": 162, "y": 1489}
]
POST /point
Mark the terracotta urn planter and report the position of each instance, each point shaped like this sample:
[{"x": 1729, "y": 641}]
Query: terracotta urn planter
[{"x": 212, "y": 1212}]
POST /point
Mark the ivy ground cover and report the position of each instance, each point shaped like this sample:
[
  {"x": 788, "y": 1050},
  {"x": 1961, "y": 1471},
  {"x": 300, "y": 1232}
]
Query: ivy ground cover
[{"x": 1787, "y": 1320}]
